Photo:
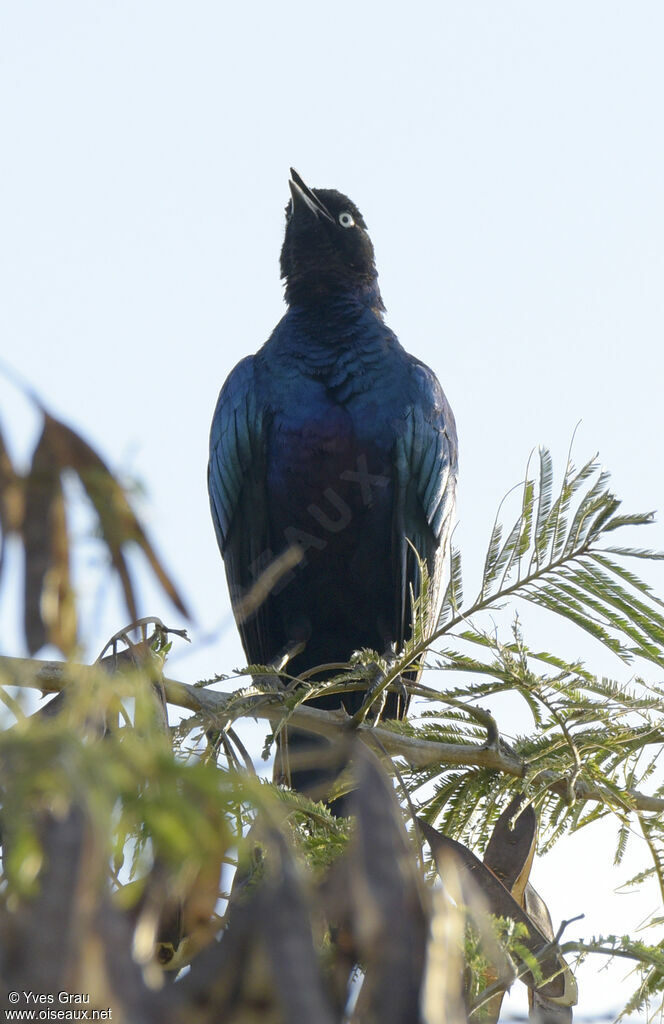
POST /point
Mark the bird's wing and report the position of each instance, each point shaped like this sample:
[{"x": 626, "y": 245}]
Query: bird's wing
[
  {"x": 237, "y": 488},
  {"x": 425, "y": 476}
]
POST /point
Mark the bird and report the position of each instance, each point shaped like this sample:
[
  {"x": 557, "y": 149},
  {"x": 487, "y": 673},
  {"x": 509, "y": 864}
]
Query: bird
[{"x": 331, "y": 442}]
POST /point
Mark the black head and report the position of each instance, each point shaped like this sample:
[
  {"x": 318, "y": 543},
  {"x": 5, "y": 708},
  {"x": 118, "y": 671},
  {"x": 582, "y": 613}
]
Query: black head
[{"x": 327, "y": 250}]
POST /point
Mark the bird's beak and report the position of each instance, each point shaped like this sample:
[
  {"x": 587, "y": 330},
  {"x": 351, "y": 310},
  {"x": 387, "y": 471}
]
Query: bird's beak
[{"x": 304, "y": 198}]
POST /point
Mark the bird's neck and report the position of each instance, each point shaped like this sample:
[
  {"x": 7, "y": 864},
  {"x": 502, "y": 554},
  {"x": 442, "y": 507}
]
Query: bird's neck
[
  {"x": 321, "y": 336},
  {"x": 323, "y": 303}
]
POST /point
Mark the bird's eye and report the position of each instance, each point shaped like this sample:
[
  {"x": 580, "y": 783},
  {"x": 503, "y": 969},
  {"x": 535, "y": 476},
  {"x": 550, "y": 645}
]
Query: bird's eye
[{"x": 346, "y": 219}]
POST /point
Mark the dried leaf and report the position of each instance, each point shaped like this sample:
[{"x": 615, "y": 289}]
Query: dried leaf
[
  {"x": 11, "y": 499},
  {"x": 442, "y": 999},
  {"x": 389, "y": 917},
  {"x": 231, "y": 979},
  {"x": 511, "y": 849},
  {"x": 288, "y": 938},
  {"x": 119, "y": 526},
  {"x": 49, "y": 608},
  {"x": 500, "y": 903}
]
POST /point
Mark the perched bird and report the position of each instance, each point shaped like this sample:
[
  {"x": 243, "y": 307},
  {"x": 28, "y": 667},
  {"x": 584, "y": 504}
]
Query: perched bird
[{"x": 334, "y": 442}]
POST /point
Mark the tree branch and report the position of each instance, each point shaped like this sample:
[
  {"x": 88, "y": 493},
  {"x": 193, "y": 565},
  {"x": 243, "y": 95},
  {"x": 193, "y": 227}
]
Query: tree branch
[{"x": 53, "y": 676}]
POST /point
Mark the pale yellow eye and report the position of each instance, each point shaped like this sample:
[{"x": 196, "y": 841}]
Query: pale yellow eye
[{"x": 346, "y": 219}]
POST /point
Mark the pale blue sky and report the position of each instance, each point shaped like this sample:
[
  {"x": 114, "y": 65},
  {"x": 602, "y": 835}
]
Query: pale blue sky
[{"x": 508, "y": 158}]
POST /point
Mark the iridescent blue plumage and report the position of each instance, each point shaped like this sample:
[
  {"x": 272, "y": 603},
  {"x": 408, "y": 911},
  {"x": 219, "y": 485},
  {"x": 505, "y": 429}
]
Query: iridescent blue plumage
[{"x": 332, "y": 438}]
